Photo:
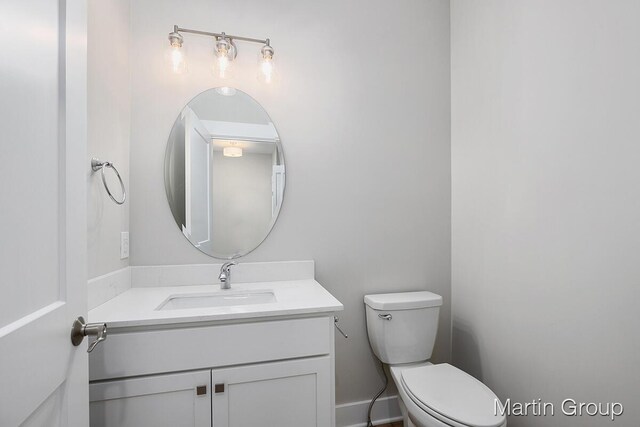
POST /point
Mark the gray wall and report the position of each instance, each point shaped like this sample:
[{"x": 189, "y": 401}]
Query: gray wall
[
  {"x": 362, "y": 107},
  {"x": 546, "y": 190},
  {"x": 241, "y": 198},
  {"x": 108, "y": 128}
]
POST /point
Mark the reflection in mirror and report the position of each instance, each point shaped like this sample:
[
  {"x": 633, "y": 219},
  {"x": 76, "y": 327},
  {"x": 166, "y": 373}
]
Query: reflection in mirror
[{"x": 224, "y": 173}]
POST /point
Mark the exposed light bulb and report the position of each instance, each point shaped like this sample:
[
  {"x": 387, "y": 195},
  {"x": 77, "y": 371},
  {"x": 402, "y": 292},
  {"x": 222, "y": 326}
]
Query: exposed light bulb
[
  {"x": 266, "y": 67},
  {"x": 224, "y": 55},
  {"x": 178, "y": 64},
  {"x": 223, "y": 65},
  {"x": 176, "y": 55}
]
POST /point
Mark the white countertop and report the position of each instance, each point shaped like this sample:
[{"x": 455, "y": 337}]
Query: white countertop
[{"x": 137, "y": 306}]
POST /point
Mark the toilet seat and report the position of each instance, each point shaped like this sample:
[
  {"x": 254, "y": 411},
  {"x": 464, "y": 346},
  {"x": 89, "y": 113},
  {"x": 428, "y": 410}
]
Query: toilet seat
[{"x": 451, "y": 396}]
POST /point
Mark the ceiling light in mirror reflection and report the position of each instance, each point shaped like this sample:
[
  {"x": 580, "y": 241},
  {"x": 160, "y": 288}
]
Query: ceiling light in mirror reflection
[{"x": 232, "y": 151}]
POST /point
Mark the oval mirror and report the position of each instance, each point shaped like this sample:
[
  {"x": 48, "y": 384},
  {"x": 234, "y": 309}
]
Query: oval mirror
[{"x": 224, "y": 173}]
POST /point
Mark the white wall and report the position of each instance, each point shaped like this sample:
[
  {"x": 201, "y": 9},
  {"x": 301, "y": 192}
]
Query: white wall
[
  {"x": 545, "y": 177},
  {"x": 362, "y": 107},
  {"x": 108, "y": 128}
]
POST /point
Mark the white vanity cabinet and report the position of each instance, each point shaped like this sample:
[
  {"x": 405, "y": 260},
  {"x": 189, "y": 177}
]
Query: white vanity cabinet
[{"x": 254, "y": 373}]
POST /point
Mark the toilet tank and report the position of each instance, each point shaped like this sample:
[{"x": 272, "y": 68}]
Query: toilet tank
[{"x": 402, "y": 326}]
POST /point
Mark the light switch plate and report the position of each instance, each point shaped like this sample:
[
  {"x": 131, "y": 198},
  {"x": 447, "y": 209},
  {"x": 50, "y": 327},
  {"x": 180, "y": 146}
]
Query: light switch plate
[{"x": 124, "y": 245}]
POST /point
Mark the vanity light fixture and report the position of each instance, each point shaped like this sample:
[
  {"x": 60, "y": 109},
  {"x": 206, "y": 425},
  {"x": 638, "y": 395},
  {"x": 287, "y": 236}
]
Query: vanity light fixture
[
  {"x": 266, "y": 69},
  {"x": 176, "y": 53},
  {"x": 225, "y": 51}
]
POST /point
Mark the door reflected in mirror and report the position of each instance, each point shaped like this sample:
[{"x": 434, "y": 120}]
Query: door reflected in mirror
[{"x": 224, "y": 173}]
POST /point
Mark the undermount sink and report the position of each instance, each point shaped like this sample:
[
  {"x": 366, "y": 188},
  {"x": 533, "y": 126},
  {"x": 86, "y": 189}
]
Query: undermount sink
[{"x": 217, "y": 299}]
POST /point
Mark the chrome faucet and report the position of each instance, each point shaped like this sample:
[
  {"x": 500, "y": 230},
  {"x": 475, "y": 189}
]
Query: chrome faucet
[{"x": 225, "y": 274}]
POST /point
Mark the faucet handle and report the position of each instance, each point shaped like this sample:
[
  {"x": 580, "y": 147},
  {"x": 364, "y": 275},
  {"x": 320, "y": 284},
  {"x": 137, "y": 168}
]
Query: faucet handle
[{"x": 227, "y": 266}]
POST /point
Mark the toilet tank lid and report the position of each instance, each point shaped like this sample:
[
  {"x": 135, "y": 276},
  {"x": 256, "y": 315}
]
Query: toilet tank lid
[{"x": 403, "y": 300}]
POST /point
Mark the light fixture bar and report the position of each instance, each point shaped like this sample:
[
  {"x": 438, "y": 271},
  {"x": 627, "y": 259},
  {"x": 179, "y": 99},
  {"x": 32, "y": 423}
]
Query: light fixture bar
[{"x": 178, "y": 29}]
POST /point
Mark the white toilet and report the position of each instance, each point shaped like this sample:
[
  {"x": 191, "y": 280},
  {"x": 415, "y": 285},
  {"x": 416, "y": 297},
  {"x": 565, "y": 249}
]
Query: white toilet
[{"x": 402, "y": 329}]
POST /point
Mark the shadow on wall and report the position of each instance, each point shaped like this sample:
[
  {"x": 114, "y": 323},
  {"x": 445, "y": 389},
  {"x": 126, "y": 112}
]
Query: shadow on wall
[{"x": 465, "y": 351}]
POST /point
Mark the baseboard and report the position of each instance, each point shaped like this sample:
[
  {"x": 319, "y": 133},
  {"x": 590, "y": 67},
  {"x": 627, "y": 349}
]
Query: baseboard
[{"x": 354, "y": 414}]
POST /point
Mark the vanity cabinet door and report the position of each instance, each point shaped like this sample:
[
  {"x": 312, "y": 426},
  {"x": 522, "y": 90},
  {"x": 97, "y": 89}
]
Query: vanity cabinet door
[
  {"x": 295, "y": 393},
  {"x": 172, "y": 400}
]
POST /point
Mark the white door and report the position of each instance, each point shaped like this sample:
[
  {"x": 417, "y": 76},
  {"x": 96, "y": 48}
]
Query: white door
[
  {"x": 277, "y": 188},
  {"x": 197, "y": 166},
  {"x": 43, "y": 167}
]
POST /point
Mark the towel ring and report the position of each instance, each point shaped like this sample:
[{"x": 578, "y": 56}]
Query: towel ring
[{"x": 98, "y": 165}]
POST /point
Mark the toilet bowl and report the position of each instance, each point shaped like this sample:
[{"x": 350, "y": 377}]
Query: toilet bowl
[{"x": 402, "y": 330}]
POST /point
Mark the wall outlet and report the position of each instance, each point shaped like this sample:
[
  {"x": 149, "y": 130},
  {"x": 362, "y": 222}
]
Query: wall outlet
[{"x": 124, "y": 245}]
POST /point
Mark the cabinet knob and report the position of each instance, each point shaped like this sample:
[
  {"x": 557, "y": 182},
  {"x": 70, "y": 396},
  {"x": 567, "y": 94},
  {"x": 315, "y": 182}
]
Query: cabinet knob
[{"x": 219, "y": 388}]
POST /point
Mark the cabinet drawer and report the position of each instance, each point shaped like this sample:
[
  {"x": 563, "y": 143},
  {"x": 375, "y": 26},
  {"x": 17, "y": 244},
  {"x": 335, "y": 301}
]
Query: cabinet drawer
[{"x": 148, "y": 352}]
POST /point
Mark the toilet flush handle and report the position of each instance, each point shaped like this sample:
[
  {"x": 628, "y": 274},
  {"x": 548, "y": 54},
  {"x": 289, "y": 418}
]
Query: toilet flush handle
[{"x": 385, "y": 316}]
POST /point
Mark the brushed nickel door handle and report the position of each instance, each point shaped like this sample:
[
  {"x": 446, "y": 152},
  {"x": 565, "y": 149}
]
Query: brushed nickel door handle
[{"x": 81, "y": 329}]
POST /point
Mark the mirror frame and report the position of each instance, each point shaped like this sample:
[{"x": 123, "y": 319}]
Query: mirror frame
[{"x": 167, "y": 178}]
